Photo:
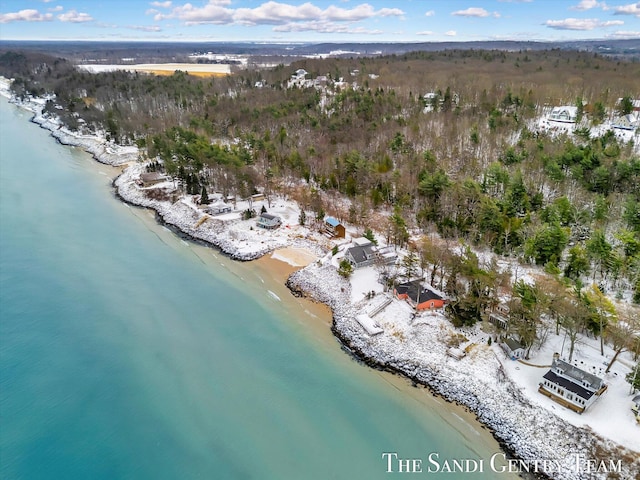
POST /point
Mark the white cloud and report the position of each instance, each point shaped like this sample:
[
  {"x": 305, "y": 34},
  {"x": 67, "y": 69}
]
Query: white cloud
[
  {"x": 274, "y": 13},
  {"x": 588, "y": 5},
  {"x": 73, "y": 16},
  {"x": 425, "y": 32},
  {"x": 161, "y": 4},
  {"x": 324, "y": 27},
  {"x": 28, "y": 15},
  {"x": 210, "y": 13},
  {"x": 631, "y": 9},
  {"x": 580, "y": 23},
  {"x": 145, "y": 28},
  {"x": 627, "y": 34},
  {"x": 451, "y": 33},
  {"x": 55, "y": 9},
  {"x": 430, "y": 13},
  {"x": 471, "y": 12}
]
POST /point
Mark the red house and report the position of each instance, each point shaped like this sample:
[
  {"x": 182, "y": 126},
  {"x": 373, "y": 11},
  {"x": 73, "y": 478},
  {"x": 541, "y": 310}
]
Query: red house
[{"x": 419, "y": 296}]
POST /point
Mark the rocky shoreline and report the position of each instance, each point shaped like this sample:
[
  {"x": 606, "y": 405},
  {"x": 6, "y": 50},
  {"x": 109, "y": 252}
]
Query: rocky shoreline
[{"x": 526, "y": 431}]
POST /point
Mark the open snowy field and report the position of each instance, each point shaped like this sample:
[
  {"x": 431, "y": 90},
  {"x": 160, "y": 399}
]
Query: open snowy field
[{"x": 163, "y": 68}]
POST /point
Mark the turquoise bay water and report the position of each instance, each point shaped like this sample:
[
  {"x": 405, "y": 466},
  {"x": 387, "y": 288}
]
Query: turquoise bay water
[{"x": 124, "y": 355}]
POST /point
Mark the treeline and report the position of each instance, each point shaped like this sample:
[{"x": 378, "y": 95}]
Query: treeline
[{"x": 465, "y": 163}]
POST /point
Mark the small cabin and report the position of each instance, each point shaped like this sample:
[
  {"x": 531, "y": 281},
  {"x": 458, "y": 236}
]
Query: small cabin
[
  {"x": 333, "y": 228},
  {"x": 513, "y": 348}
]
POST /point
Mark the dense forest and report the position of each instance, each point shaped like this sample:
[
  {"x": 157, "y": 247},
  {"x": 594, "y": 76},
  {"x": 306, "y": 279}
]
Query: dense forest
[{"x": 464, "y": 164}]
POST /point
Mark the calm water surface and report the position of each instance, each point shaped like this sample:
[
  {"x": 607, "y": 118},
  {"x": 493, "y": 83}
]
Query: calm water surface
[{"x": 127, "y": 353}]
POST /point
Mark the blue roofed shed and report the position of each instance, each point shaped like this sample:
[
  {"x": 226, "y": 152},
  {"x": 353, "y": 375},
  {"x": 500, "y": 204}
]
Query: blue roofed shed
[{"x": 333, "y": 227}]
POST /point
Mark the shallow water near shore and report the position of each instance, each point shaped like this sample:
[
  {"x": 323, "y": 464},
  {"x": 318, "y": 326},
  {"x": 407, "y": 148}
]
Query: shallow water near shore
[{"x": 129, "y": 353}]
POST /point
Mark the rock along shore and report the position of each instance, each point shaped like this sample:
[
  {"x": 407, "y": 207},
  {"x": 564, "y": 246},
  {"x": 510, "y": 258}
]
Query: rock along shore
[{"x": 526, "y": 431}]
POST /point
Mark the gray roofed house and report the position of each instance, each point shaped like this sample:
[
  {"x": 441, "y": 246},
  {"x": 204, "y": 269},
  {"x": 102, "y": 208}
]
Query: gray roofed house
[
  {"x": 513, "y": 348},
  {"x": 268, "y": 221},
  {"x": 151, "y": 178},
  {"x": 364, "y": 253},
  {"x": 571, "y": 386},
  {"x": 361, "y": 256}
]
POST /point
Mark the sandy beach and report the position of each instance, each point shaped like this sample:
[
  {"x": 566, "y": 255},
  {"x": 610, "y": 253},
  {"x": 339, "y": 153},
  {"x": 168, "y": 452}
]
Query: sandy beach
[{"x": 316, "y": 318}]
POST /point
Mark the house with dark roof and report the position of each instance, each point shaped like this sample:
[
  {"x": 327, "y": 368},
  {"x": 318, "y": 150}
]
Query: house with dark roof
[
  {"x": 364, "y": 253},
  {"x": 268, "y": 221},
  {"x": 571, "y": 386},
  {"x": 513, "y": 348},
  {"x": 361, "y": 255},
  {"x": 333, "y": 228},
  {"x": 419, "y": 296}
]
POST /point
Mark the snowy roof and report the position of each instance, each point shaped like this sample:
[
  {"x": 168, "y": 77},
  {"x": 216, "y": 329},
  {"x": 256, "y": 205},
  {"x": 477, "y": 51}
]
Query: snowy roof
[
  {"x": 268, "y": 216},
  {"x": 415, "y": 290},
  {"x": 577, "y": 375},
  {"x": 361, "y": 241},
  {"x": 152, "y": 176},
  {"x": 220, "y": 204},
  {"x": 332, "y": 221},
  {"x": 513, "y": 344},
  {"x": 369, "y": 324},
  {"x": 566, "y": 108}
]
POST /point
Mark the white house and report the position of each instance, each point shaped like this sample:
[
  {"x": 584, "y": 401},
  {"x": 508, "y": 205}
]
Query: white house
[
  {"x": 566, "y": 114},
  {"x": 219, "y": 207},
  {"x": 268, "y": 221},
  {"x": 499, "y": 316},
  {"x": 626, "y": 122},
  {"x": 513, "y": 348},
  {"x": 570, "y": 386}
]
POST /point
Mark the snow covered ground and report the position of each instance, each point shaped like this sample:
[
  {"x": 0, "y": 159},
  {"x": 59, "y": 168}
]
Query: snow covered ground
[
  {"x": 554, "y": 128},
  {"x": 241, "y": 239},
  {"x": 502, "y": 393}
]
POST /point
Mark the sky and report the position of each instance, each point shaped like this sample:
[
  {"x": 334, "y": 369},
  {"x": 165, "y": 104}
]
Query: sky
[{"x": 318, "y": 20}]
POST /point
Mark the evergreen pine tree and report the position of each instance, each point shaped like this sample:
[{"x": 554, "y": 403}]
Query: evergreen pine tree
[{"x": 204, "y": 198}]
